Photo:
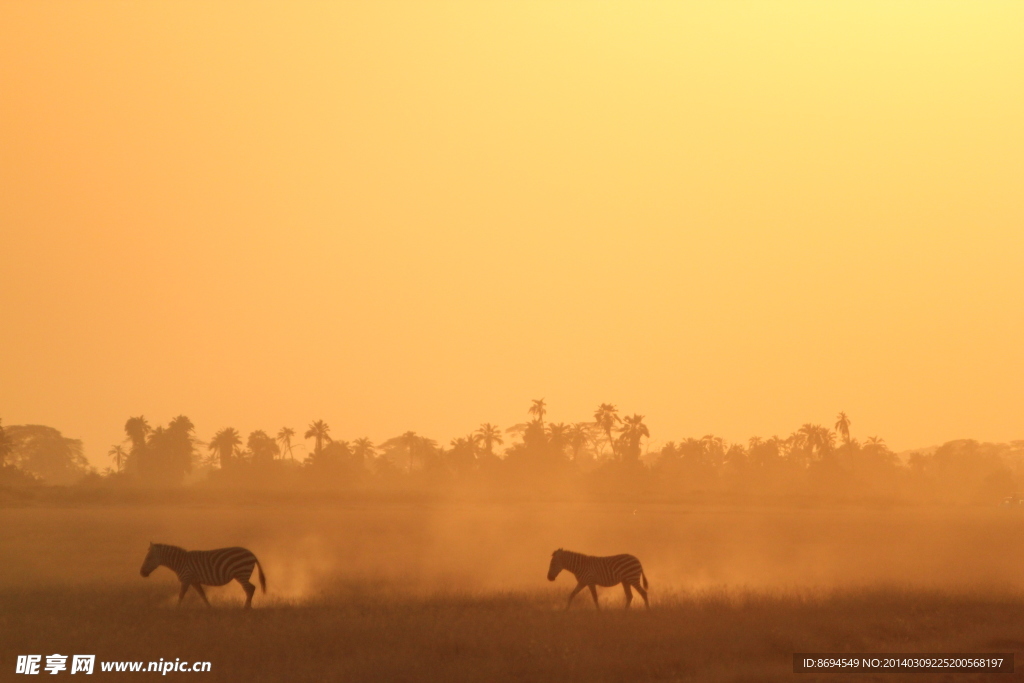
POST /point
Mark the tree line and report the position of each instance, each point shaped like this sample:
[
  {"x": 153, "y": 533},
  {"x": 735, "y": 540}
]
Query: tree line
[{"x": 607, "y": 452}]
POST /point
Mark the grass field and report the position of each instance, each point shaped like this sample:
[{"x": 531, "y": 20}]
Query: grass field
[
  {"x": 418, "y": 591},
  {"x": 366, "y": 633}
]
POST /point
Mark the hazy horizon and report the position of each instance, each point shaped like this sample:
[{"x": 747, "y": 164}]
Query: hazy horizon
[
  {"x": 423, "y": 216},
  {"x": 99, "y": 458}
]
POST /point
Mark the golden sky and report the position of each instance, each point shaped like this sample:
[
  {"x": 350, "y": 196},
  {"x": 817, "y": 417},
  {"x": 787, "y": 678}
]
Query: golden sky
[{"x": 732, "y": 218}]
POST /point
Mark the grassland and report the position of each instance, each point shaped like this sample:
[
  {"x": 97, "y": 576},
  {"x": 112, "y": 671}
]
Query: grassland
[
  {"x": 452, "y": 592},
  {"x": 368, "y": 633}
]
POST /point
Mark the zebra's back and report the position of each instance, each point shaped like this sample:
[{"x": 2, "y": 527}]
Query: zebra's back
[
  {"x": 610, "y": 570},
  {"x": 218, "y": 567}
]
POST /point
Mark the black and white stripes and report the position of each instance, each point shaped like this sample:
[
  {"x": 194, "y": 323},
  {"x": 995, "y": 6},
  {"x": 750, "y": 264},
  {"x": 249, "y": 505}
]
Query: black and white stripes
[
  {"x": 593, "y": 571},
  {"x": 210, "y": 567}
]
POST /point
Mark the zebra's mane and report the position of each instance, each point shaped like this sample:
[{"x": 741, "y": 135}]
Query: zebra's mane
[
  {"x": 167, "y": 546},
  {"x": 571, "y": 553}
]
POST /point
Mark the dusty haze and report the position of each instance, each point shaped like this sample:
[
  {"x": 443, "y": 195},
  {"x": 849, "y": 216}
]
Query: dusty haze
[{"x": 478, "y": 548}]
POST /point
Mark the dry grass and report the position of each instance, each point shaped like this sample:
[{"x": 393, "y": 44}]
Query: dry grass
[
  {"x": 364, "y": 633},
  {"x": 453, "y": 593}
]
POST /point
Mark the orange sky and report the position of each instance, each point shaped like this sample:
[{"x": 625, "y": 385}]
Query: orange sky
[{"x": 731, "y": 218}]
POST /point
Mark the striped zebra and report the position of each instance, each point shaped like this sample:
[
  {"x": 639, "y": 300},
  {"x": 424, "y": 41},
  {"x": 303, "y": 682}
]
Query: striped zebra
[
  {"x": 593, "y": 571},
  {"x": 211, "y": 567}
]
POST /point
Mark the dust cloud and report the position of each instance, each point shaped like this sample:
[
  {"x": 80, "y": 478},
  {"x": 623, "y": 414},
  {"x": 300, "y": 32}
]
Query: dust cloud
[{"x": 426, "y": 547}]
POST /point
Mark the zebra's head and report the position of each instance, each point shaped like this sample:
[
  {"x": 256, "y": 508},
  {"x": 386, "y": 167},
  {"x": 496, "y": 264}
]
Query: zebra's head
[
  {"x": 556, "y": 565},
  {"x": 152, "y": 560}
]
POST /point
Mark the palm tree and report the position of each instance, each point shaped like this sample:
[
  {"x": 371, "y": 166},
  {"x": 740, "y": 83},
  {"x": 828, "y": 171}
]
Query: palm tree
[
  {"x": 534, "y": 435},
  {"x": 410, "y": 441},
  {"x": 181, "y": 425},
  {"x": 469, "y": 444},
  {"x": 804, "y": 440},
  {"x": 843, "y": 427},
  {"x": 736, "y": 457},
  {"x": 119, "y": 455},
  {"x": 263, "y": 448},
  {"x": 416, "y": 444},
  {"x": 558, "y": 436},
  {"x": 805, "y": 435},
  {"x": 579, "y": 435},
  {"x": 318, "y": 430},
  {"x": 284, "y": 437},
  {"x": 363, "y": 449},
  {"x": 463, "y": 455},
  {"x": 539, "y": 409},
  {"x": 180, "y": 448},
  {"x": 878, "y": 456},
  {"x": 763, "y": 453},
  {"x": 224, "y": 444},
  {"x": 712, "y": 449},
  {"x": 814, "y": 439},
  {"x": 826, "y": 440},
  {"x": 137, "y": 428},
  {"x": 633, "y": 429},
  {"x": 489, "y": 434},
  {"x": 607, "y": 416}
]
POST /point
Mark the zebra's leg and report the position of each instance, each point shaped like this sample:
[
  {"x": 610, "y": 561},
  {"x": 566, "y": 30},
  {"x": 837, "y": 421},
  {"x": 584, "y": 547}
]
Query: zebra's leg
[
  {"x": 249, "y": 590},
  {"x": 593, "y": 594},
  {"x": 643, "y": 594},
  {"x": 202, "y": 593},
  {"x": 577, "y": 589},
  {"x": 181, "y": 593},
  {"x": 629, "y": 594}
]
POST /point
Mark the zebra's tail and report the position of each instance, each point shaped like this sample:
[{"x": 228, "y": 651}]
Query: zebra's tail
[
  {"x": 263, "y": 580},
  {"x": 644, "y": 577}
]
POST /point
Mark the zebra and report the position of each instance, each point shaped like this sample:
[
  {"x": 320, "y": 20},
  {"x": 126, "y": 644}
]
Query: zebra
[
  {"x": 210, "y": 567},
  {"x": 593, "y": 571}
]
